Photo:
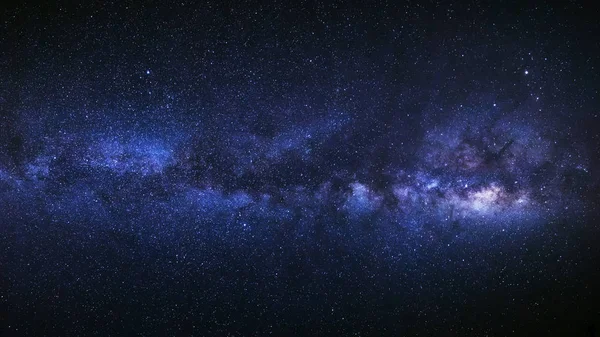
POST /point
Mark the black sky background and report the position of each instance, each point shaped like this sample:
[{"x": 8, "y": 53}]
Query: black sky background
[{"x": 299, "y": 168}]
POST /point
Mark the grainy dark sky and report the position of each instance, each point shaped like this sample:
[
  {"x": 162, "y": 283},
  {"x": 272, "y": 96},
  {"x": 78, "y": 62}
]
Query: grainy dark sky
[{"x": 299, "y": 168}]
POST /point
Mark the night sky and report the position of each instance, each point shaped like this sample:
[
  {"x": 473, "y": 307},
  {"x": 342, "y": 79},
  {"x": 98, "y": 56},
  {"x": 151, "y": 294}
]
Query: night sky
[{"x": 299, "y": 168}]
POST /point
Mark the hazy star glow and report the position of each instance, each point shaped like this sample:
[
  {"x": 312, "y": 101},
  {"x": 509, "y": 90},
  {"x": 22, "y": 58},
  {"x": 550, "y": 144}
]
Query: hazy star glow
[{"x": 294, "y": 169}]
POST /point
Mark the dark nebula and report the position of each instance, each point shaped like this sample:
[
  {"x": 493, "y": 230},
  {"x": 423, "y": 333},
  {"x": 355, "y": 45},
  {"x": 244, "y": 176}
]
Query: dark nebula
[{"x": 299, "y": 169}]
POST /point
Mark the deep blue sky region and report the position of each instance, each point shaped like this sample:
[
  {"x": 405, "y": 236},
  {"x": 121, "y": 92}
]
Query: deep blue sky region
[{"x": 299, "y": 168}]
